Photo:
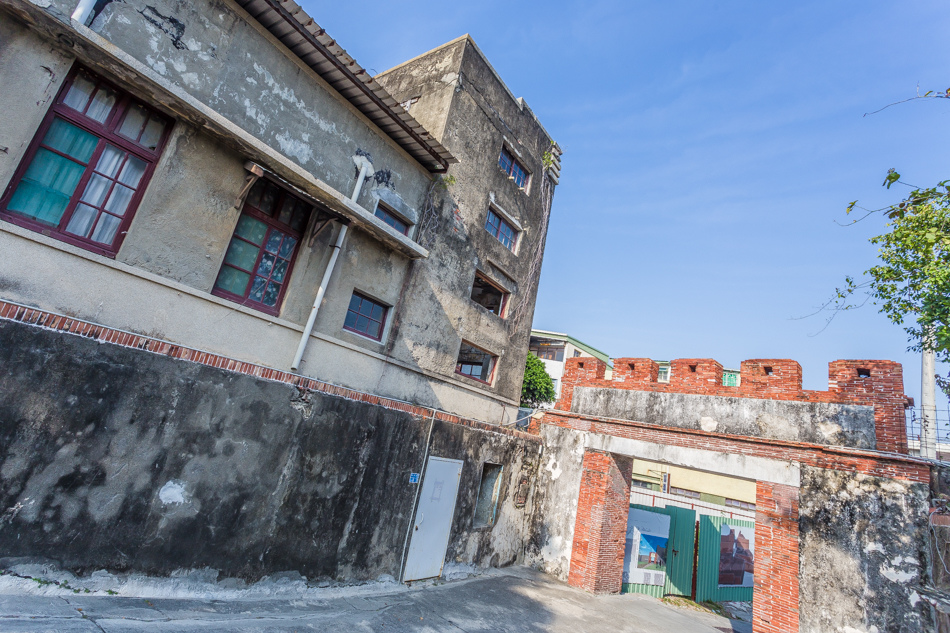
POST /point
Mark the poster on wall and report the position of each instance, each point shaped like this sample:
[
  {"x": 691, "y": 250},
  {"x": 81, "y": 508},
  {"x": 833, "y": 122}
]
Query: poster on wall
[
  {"x": 736, "y": 556},
  {"x": 644, "y": 560}
]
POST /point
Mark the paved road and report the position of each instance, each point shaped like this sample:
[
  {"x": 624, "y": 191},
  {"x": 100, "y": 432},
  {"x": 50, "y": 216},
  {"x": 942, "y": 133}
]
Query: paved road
[{"x": 518, "y": 600}]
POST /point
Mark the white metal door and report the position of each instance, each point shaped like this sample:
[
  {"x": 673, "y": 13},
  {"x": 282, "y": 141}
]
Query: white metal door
[{"x": 433, "y": 522}]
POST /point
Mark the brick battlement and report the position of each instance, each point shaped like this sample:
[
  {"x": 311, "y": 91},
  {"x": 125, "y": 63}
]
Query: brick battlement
[{"x": 876, "y": 383}]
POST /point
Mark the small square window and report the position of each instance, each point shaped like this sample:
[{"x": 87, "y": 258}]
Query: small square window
[
  {"x": 390, "y": 217},
  {"x": 365, "y": 316},
  {"x": 488, "y": 492},
  {"x": 502, "y": 230},
  {"x": 488, "y": 295},
  {"x": 864, "y": 373},
  {"x": 768, "y": 371},
  {"x": 511, "y": 166},
  {"x": 475, "y": 363}
]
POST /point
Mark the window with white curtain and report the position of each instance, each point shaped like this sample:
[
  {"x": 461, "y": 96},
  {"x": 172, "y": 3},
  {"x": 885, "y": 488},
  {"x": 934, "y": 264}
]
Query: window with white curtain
[{"x": 85, "y": 171}]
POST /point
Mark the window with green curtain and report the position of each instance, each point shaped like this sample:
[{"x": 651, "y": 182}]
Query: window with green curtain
[{"x": 80, "y": 178}]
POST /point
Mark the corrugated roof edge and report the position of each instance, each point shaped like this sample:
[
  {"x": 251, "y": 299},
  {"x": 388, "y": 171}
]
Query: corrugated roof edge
[
  {"x": 593, "y": 351},
  {"x": 519, "y": 101},
  {"x": 396, "y": 111}
]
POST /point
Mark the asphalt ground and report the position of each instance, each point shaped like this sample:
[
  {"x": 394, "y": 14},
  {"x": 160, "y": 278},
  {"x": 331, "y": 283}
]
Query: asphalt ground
[{"x": 516, "y": 599}]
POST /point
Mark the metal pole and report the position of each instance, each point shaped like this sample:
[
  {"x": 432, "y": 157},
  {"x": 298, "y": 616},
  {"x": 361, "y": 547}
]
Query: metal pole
[{"x": 928, "y": 402}]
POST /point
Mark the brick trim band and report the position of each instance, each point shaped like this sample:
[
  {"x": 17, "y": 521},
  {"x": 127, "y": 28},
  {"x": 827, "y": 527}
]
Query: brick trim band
[{"x": 48, "y": 320}]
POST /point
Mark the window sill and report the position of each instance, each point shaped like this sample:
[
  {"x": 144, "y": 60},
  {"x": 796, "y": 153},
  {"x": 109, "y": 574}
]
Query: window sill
[
  {"x": 362, "y": 335},
  {"x": 473, "y": 379}
]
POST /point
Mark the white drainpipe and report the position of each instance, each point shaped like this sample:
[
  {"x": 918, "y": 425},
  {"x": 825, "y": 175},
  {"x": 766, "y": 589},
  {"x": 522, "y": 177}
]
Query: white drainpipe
[
  {"x": 365, "y": 167},
  {"x": 81, "y": 14}
]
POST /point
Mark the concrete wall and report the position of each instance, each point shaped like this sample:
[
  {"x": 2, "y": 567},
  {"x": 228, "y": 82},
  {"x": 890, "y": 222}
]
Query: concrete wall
[
  {"x": 470, "y": 111},
  {"x": 116, "y": 458},
  {"x": 864, "y": 549},
  {"x": 819, "y": 423}
]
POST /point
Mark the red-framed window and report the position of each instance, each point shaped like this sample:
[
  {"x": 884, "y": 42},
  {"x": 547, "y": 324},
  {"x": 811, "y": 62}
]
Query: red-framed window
[
  {"x": 515, "y": 170},
  {"x": 489, "y": 295},
  {"x": 503, "y": 232},
  {"x": 365, "y": 316},
  {"x": 475, "y": 363},
  {"x": 263, "y": 248},
  {"x": 86, "y": 170},
  {"x": 389, "y": 216}
]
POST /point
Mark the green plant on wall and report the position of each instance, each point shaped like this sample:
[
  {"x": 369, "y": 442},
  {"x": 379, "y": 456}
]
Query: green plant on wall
[{"x": 537, "y": 388}]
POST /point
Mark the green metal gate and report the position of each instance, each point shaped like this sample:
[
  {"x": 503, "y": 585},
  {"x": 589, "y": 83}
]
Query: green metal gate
[
  {"x": 680, "y": 548},
  {"x": 707, "y": 565}
]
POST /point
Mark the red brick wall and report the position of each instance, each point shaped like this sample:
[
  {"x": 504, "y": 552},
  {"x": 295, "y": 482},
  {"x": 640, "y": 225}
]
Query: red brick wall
[
  {"x": 601, "y": 525},
  {"x": 635, "y": 371},
  {"x": 775, "y": 592},
  {"x": 884, "y": 387},
  {"x": 698, "y": 375},
  {"x": 766, "y": 379}
]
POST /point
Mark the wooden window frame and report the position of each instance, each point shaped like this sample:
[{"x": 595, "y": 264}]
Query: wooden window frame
[
  {"x": 513, "y": 168},
  {"x": 272, "y": 223},
  {"x": 491, "y": 371},
  {"x": 382, "y": 321},
  {"x": 496, "y": 231},
  {"x": 505, "y": 295},
  {"x": 386, "y": 213},
  {"x": 108, "y": 134}
]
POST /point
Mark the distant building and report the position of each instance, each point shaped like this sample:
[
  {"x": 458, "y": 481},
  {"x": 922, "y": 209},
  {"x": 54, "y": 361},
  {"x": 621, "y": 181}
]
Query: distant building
[{"x": 554, "y": 348}]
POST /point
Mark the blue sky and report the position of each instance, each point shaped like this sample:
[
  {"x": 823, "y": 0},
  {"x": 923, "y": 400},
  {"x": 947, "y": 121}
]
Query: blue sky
[{"x": 709, "y": 148}]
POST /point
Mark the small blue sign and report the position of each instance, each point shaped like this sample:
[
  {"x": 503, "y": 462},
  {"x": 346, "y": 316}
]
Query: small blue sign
[{"x": 413, "y": 478}]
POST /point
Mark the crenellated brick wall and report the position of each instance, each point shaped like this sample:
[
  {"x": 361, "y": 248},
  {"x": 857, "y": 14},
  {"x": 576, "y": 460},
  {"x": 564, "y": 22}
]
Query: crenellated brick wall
[
  {"x": 601, "y": 526},
  {"x": 876, "y": 383}
]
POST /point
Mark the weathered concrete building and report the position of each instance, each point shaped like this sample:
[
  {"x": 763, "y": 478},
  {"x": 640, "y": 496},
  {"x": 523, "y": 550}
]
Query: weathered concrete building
[
  {"x": 206, "y": 172},
  {"x": 260, "y": 311},
  {"x": 840, "y": 528}
]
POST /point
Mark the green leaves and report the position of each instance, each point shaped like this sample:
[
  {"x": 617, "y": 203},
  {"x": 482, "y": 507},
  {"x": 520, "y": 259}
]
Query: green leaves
[
  {"x": 537, "y": 388},
  {"x": 892, "y": 177},
  {"x": 912, "y": 279}
]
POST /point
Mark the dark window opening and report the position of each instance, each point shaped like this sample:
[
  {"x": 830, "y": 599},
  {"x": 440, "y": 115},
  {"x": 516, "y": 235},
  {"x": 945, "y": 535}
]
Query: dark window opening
[
  {"x": 85, "y": 172},
  {"x": 768, "y": 371},
  {"x": 262, "y": 251},
  {"x": 389, "y": 216},
  {"x": 515, "y": 170},
  {"x": 632, "y": 366},
  {"x": 692, "y": 369},
  {"x": 475, "y": 363},
  {"x": 580, "y": 365},
  {"x": 488, "y": 491},
  {"x": 502, "y": 231},
  {"x": 864, "y": 373},
  {"x": 488, "y": 295},
  {"x": 365, "y": 316}
]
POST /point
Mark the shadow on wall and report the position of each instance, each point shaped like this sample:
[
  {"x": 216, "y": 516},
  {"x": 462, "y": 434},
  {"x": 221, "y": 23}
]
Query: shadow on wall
[{"x": 115, "y": 458}]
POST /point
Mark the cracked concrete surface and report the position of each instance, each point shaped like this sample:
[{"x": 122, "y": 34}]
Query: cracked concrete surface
[{"x": 518, "y": 599}]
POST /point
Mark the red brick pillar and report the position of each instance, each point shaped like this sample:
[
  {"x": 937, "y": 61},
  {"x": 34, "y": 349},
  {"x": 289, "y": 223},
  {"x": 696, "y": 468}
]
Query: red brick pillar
[
  {"x": 775, "y": 594},
  {"x": 601, "y": 526}
]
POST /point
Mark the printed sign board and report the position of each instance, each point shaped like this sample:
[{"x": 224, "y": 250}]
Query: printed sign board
[
  {"x": 648, "y": 534},
  {"x": 736, "y": 556}
]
